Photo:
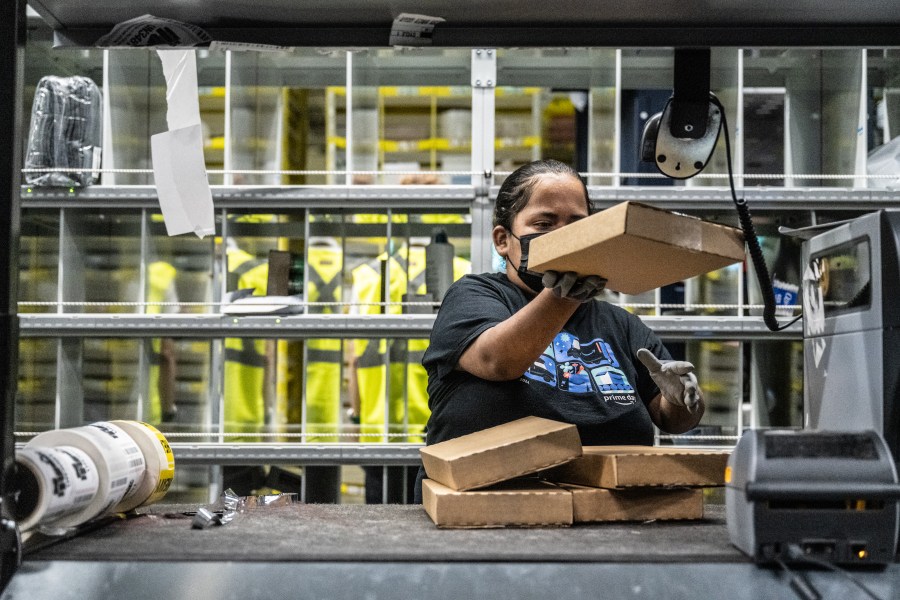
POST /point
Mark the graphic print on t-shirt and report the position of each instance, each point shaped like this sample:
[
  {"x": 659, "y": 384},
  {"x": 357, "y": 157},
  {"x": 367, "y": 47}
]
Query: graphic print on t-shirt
[{"x": 571, "y": 366}]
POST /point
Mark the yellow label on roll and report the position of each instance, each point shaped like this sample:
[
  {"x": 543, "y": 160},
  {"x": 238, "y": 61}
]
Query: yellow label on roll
[
  {"x": 165, "y": 475},
  {"x": 727, "y": 474}
]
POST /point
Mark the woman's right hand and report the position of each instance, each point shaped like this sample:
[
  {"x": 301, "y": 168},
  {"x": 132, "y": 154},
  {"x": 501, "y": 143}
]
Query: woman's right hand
[{"x": 568, "y": 285}]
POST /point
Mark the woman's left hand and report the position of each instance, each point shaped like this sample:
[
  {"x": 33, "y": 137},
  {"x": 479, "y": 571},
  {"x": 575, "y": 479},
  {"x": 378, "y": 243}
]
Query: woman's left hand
[{"x": 675, "y": 379}]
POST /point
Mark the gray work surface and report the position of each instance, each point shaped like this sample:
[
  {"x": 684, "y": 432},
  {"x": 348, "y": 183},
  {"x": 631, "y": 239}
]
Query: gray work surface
[
  {"x": 316, "y": 532},
  {"x": 352, "y": 551}
]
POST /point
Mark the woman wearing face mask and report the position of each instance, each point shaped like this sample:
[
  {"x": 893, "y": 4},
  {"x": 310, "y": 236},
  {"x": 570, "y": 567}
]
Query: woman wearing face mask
[{"x": 518, "y": 343}]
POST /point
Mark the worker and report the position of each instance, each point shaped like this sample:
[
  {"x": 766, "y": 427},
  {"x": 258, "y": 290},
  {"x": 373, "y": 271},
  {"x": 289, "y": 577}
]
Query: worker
[
  {"x": 248, "y": 369},
  {"x": 510, "y": 345},
  {"x": 250, "y": 372},
  {"x": 324, "y": 360},
  {"x": 408, "y": 407}
]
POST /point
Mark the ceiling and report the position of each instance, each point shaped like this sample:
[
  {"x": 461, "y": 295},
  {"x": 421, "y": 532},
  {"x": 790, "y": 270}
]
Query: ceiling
[{"x": 502, "y": 23}]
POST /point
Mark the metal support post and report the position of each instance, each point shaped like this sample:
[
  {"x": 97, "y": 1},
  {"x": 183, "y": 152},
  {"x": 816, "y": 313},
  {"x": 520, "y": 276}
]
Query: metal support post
[
  {"x": 484, "y": 82},
  {"x": 12, "y": 45}
]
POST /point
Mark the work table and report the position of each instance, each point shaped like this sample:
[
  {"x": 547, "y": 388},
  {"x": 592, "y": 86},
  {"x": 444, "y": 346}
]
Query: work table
[{"x": 392, "y": 551}]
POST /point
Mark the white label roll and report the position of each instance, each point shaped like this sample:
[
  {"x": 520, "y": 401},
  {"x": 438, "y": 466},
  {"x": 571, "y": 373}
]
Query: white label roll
[
  {"x": 52, "y": 482},
  {"x": 119, "y": 460},
  {"x": 160, "y": 464}
]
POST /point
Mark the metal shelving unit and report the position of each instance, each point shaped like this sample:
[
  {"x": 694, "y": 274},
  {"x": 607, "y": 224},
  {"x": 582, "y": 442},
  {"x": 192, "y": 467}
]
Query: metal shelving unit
[
  {"x": 719, "y": 327},
  {"x": 521, "y": 73}
]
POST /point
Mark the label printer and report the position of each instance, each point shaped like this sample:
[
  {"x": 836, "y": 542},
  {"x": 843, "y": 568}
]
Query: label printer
[{"x": 818, "y": 495}]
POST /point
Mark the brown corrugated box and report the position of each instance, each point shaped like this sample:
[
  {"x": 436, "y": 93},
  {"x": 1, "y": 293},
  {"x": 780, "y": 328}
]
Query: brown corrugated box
[
  {"x": 499, "y": 453},
  {"x": 629, "y": 466},
  {"x": 637, "y": 247},
  {"x": 595, "y": 505},
  {"x": 516, "y": 503}
]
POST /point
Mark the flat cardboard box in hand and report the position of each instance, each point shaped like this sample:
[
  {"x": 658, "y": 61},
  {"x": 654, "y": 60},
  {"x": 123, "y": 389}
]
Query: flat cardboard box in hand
[
  {"x": 643, "y": 466},
  {"x": 516, "y": 503},
  {"x": 514, "y": 449},
  {"x": 637, "y": 247}
]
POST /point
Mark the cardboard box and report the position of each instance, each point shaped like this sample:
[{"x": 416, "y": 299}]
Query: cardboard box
[
  {"x": 637, "y": 247},
  {"x": 516, "y": 503},
  {"x": 521, "y": 447},
  {"x": 595, "y": 505},
  {"x": 631, "y": 466}
]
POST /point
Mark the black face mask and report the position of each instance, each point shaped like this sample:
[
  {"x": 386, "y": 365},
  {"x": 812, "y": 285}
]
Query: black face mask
[{"x": 530, "y": 278}]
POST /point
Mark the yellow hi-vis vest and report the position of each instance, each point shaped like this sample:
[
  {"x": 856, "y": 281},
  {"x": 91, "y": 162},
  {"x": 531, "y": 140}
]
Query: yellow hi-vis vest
[
  {"x": 408, "y": 410},
  {"x": 160, "y": 279},
  {"x": 245, "y": 359},
  {"x": 323, "y": 356}
]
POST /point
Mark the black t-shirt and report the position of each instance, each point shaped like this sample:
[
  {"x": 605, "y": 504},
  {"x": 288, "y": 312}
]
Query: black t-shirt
[{"x": 586, "y": 376}]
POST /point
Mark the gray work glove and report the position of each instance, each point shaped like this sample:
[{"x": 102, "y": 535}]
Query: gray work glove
[
  {"x": 675, "y": 379},
  {"x": 569, "y": 285}
]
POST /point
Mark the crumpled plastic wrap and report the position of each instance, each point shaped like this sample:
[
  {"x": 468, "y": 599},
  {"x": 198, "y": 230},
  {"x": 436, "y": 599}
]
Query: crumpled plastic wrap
[
  {"x": 205, "y": 517},
  {"x": 65, "y": 132},
  {"x": 232, "y": 504},
  {"x": 148, "y": 31}
]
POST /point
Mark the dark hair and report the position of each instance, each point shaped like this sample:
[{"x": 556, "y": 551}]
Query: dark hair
[{"x": 516, "y": 190}]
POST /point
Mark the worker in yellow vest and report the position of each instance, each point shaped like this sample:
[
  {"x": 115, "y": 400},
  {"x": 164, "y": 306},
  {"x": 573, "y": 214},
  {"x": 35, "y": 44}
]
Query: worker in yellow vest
[
  {"x": 248, "y": 393},
  {"x": 324, "y": 358},
  {"x": 249, "y": 375},
  {"x": 407, "y": 410}
]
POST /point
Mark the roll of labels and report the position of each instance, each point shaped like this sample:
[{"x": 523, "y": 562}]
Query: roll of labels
[{"x": 67, "y": 477}]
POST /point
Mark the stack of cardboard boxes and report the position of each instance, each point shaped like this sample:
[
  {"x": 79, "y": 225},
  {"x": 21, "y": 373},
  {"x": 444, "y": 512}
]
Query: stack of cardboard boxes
[{"x": 534, "y": 472}]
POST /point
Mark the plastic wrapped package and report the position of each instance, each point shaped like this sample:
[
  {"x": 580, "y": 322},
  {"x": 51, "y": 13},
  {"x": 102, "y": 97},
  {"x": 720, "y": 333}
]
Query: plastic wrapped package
[{"x": 65, "y": 132}]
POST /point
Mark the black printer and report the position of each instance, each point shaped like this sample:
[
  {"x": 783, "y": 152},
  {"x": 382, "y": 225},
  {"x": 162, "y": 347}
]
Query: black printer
[{"x": 826, "y": 495}]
